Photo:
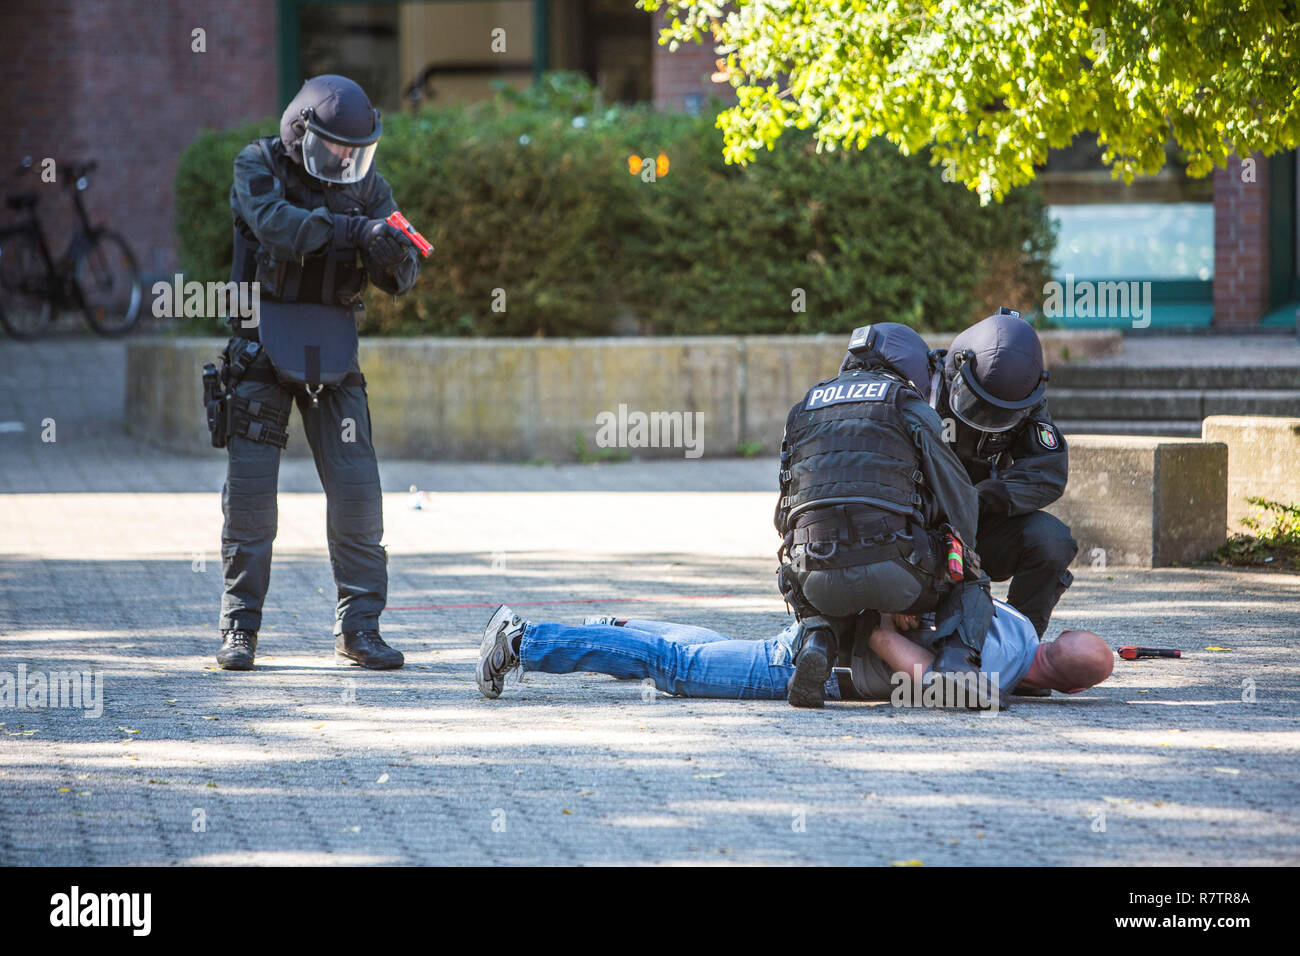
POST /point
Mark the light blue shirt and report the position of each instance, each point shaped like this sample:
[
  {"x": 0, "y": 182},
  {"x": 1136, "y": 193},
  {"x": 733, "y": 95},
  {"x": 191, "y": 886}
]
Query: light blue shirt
[{"x": 1009, "y": 646}]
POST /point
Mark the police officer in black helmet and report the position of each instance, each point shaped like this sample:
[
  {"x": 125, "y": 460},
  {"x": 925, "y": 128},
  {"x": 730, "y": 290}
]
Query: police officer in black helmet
[
  {"x": 309, "y": 211},
  {"x": 991, "y": 387},
  {"x": 869, "y": 490}
]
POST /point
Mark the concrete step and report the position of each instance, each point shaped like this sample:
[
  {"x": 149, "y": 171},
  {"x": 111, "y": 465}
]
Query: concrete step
[
  {"x": 1173, "y": 428},
  {"x": 1163, "y": 404},
  {"x": 1243, "y": 376}
]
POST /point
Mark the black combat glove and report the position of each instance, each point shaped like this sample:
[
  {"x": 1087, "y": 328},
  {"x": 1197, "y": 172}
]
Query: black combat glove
[
  {"x": 384, "y": 246},
  {"x": 350, "y": 231},
  {"x": 995, "y": 500}
]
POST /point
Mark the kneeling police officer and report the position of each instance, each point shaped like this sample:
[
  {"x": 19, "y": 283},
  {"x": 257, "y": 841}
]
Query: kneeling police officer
[
  {"x": 870, "y": 493},
  {"x": 993, "y": 386},
  {"x": 309, "y": 215}
]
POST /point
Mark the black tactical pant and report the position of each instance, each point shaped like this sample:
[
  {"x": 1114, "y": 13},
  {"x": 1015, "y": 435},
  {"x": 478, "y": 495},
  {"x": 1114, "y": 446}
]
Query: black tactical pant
[
  {"x": 338, "y": 432},
  {"x": 1033, "y": 550},
  {"x": 894, "y": 586},
  {"x": 840, "y": 594}
]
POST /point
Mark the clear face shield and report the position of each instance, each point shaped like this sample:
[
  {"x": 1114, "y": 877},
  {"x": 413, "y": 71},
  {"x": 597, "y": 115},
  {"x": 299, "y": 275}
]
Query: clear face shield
[
  {"x": 982, "y": 411},
  {"x": 336, "y": 159},
  {"x": 335, "y": 162}
]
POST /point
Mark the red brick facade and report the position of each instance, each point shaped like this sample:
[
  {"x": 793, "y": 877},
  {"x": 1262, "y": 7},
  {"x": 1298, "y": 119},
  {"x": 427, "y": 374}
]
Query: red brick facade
[
  {"x": 117, "y": 81},
  {"x": 682, "y": 78},
  {"x": 1241, "y": 249}
]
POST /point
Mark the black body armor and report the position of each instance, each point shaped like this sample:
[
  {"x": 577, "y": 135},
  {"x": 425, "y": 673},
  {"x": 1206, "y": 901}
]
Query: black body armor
[
  {"x": 335, "y": 276},
  {"x": 850, "y": 473}
]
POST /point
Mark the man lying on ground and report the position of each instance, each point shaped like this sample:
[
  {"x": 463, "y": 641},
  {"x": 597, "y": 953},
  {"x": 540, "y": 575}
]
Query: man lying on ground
[{"x": 691, "y": 661}]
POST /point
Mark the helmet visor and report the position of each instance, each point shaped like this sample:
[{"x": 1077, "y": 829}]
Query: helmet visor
[
  {"x": 335, "y": 162},
  {"x": 986, "y": 415}
]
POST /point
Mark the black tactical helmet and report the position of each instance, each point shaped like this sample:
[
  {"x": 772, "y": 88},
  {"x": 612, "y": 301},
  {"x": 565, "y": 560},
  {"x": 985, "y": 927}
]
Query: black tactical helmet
[
  {"x": 897, "y": 347},
  {"x": 331, "y": 129},
  {"x": 995, "y": 372}
]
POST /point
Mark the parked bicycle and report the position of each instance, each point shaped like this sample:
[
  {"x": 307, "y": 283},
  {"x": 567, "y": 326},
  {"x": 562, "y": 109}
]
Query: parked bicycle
[{"x": 96, "y": 275}]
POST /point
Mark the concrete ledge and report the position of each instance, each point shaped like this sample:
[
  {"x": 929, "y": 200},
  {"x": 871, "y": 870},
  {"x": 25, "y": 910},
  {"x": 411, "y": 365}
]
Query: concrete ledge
[
  {"x": 1144, "y": 502},
  {"x": 1059, "y": 346},
  {"x": 1263, "y": 460},
  {"x": 164, "y": 392},
  {"x": 779, "y": 369},
  {"x": 519, "y": 400},
  {"x": 522, "y": 399}
]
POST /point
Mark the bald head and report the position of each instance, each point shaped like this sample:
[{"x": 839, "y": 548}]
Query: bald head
[
  {"x": 1075, "y": 661},
  {"x": 1079, "y": 660}
]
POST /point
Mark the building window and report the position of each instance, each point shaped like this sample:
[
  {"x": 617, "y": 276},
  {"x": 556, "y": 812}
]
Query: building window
[
  {"x": 1159, "y": 227},
  {"x": 457, "y": 51},
  {"x": 357, "y": 40}
]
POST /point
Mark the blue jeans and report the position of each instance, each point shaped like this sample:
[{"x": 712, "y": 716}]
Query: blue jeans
[{"x": 680, "y": 659}]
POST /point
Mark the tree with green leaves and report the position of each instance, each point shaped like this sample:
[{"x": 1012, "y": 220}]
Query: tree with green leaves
[{"x": 990, "y": 86}]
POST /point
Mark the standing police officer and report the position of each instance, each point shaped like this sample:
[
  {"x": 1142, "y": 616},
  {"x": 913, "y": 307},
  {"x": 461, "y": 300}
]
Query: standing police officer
[
  {"x": 992, "y": 390},
  {"x": 309, "y": 217},
  {"x": 869, "y": 491}
]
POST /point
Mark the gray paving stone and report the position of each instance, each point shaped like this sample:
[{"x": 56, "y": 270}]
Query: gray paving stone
[{"x": 100, "y": 544}]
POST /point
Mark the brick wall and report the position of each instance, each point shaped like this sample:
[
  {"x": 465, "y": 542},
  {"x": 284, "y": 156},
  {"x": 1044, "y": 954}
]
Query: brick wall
[
  {"x": 116, "y": 81},
  {"x": 1240, "y": 244},
  {"x": 681, "y": 79}
]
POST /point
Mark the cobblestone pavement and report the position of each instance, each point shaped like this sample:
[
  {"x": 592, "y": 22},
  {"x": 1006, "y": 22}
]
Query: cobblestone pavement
[{"x": 108, "y": 562}]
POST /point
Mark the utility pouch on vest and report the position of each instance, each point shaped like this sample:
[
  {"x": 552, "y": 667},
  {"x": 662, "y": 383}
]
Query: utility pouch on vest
[
  {"x": 309, "y": 344},
  {"x": 961, "y": 623},
  {"x": 787, "y": 582},
  {"x": 269, "y": 273}
]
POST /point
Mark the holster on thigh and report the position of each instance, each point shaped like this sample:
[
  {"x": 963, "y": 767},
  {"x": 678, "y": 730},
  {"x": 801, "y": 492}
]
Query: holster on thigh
[{"x": 259, "y": 421}]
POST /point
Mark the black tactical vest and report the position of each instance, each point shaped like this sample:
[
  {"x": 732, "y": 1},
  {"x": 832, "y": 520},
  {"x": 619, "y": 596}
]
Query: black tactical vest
[
  {"x": 332, "y": 277},
  {"x": 847, "y": 443}
]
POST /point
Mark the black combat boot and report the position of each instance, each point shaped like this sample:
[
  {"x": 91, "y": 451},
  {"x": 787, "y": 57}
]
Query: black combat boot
[
  {"x": 238, "y": 648},
  {"x": 812, "y": 666},
  {"x": 368, "y": 649}
]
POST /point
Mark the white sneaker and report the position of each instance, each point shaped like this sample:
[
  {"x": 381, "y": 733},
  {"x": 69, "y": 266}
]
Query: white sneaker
[{"x": 496, "y": 654}]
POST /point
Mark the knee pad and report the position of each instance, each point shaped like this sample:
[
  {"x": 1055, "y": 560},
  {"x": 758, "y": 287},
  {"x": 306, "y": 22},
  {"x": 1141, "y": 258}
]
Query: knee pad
[
  {"x": 1050, "y": 541},
  {"x": 1061, "y": 551},
  {"x": 355, "y": 502},
  {"x": 249, "y": 503},
  {"x": 356, "y": 519}
]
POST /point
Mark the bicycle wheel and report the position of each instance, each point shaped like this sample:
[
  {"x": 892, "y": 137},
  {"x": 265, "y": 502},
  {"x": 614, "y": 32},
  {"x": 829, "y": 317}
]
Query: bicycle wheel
[
  {"x": 25, "y": 309},
  {"x": 108, "y": 281}
]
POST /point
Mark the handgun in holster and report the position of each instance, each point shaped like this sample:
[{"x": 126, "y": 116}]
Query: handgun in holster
[
  {"x": 214, "y": 405},
  {"x": 219, "y": 387}
]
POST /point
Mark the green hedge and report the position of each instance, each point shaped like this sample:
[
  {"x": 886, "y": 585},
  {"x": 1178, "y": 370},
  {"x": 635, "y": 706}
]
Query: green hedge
[{"x": 531, "y": 194}]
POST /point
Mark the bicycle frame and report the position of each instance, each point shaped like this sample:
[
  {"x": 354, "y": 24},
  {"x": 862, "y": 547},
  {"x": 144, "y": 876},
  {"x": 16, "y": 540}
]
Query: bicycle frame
[
  {"x": 90, "y": 276},
  {"x": 61, "y": 290}
]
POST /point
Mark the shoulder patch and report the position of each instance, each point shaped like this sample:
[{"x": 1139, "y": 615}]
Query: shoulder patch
[
  {"x": 839, "y": 393},
  {"x": 1047, "y": 435},
  {"x": 261, "y": 185}
]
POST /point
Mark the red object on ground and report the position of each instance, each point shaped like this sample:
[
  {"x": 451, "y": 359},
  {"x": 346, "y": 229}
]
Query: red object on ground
[
  {"x": 1132, "y": 653},
  {"x": 398, "y": 221}
]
